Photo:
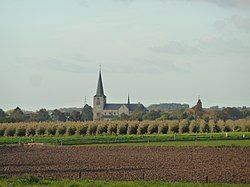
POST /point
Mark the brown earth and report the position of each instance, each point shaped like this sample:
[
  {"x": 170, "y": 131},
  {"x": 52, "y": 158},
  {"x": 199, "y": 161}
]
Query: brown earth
[{"x": 230, "y": 165}]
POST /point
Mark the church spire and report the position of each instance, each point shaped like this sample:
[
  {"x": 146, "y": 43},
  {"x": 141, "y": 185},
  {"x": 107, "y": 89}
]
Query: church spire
[
  {"x": 99, "y": 91},
  {"x": 128, "y": 100}
]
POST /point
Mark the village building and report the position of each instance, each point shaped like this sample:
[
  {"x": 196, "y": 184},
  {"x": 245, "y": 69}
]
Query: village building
[{"x": 106, "y": 111}]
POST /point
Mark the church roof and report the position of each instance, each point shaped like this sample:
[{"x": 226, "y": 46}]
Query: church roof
[
  {"x": 131, "y": 107},
  {"x": 99, "y": 90}
]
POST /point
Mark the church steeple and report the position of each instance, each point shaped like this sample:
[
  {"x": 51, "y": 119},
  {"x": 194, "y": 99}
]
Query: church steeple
[
  {"x": 99, "y": 91},
  {"x": 128, "y": 100}
]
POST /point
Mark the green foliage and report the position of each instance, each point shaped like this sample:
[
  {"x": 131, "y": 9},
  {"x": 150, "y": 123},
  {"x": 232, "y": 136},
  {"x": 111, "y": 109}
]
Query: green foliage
[
  {"x": 81, "y": 129},
  {"x": 61, "y": 130},
  {"x": 87, "y": 113},
  {"x": 57, "y": 115},
  {"x": 51, "y": 130},
  {"x": 71, "y": 130},
  {"x": 20, "y": 131},
  {"x": 163, "y": 128},
  {"x": 122, "y": 128},
  {"x": 10, "y": 131},
  {"x": 132, "y": 128},
  {"x": 173, "y": 126},
  {"x": 151, "y": 115},
  {"x": 34, "y": 181},
  {"x": 184, "y": 126},
  {"x": 152, "y": 129},
  {"x": 92, "y": 127},
  {"x": 40, "y": 131},
  {"x": 102, "y": 129},
  {"x": 138, "y": 113},
  {"x": 112, "y": 128},
  {"x": 42, "y": 115},
  {"x": 194, "y": 127},
  {"x": 142, "y": 128},
  {"x": 75, "y": 116}
]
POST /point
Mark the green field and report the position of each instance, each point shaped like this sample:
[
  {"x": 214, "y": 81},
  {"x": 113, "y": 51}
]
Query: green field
[
  {"x": 31, "y": 181},
  {"x": 198, "y": 139}
]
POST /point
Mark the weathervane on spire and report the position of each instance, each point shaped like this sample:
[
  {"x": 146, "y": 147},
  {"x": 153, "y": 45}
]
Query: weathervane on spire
[{"x": 85, "y": 100}]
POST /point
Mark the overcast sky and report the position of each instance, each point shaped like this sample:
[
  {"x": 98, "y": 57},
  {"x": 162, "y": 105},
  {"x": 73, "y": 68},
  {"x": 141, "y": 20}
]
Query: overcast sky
[{"x": 157, "y": 50}]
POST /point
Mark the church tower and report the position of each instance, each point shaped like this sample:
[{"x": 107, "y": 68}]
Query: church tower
[{"x": 99, "y": 99}]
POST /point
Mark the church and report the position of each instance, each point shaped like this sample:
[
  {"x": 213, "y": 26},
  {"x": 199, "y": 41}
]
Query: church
[{"x": 106, "y": 111}]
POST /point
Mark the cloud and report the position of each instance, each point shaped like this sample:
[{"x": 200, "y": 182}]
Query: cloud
[
  {"x": 175, "y": 47},
  {"x": 219, "y": 46},
  {"x": 75, "y": 64},
  {"x": 207, "y": 44},
  {"x": 237, "y": 21},
  {"x": 226, "y": 3},
  {"x": 241, "y": 22},
  {"x": 220, "y": 25}
]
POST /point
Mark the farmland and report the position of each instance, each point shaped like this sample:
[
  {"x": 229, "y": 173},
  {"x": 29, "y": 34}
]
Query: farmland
[
  {"x": 183, "y": 164},
  {"x": 148, "y": 153}
]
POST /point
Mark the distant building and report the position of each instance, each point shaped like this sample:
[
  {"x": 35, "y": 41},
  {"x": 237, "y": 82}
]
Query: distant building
[
  {"x": 104, "y": 110},
  {"x": 198, "y": 108}
]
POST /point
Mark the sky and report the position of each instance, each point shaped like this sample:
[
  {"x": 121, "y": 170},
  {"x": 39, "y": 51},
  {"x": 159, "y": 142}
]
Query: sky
[{"x": 158, "y": 51}]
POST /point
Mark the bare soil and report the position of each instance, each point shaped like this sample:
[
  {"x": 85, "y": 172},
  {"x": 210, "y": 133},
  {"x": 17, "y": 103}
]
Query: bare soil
[{"x": 194, "y": 164}]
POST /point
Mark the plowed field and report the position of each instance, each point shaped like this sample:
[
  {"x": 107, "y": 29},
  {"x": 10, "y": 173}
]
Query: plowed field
[{"x": 227, "y": 164}]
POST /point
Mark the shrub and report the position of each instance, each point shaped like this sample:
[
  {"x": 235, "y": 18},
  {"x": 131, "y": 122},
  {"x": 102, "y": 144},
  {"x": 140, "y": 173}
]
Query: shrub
[
  {"x": 51, "y": 130},
  {"x": 132, "y": 128},
  {"x": 216, "y": 128},
  {"x": 2, "y": 130},
  {"x": 40, "y": 131},
  {"x": 20, "y": 131},
  {"x": 247, "y": 126},
  {"x": 71, "y": 130},
  {"x": 229, "y": 125},
  {"x": 112, "y": 128},
  {"x": 163, "y": 128},
  {"x": 184, "y": 126},
  {"x": 221, "y": 124},
  {"x": 61, "y": 130},
  {"x": 10, "y": 131},
  {"x": 152, "y": 128},
  {"x": 142, "y": 128},
  {"x": 204, "y": 127},
  {"x": 82, "y": 129},
  {"x": 194, "y": 127},
  {"x": 102, "y": 129},
  {"x": 122, "y": 128},
  {"x": 91, "y": 129},
  {"x": 31, "y": 131},
  {"x": 173, "y": 126}
]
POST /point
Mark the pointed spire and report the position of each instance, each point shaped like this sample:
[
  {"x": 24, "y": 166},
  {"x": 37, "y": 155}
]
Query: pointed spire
[
  {"x": 99, "y": 91},
  {"x": 128, "y": 100}
]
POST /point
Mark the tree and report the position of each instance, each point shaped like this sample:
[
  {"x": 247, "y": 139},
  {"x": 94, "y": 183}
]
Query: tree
[
  {"x": 87, "y": 113},
  {"x": 17, "y": 115},
  {"x": 42, "y": 115},
  {"x": 57, "y": 115},
  {"x": 75, "y": 115},
  {"x": 231, "y": 113},
  {"x": 2, "y": 115},
  {"x": 152, "y": 115},
  {"x": 138, "y": 113}
]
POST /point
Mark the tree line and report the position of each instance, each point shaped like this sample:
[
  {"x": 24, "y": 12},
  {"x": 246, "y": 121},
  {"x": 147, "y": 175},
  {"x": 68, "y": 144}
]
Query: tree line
[
  {"x": 17, "y": 115},
  {"x": 86, "y": 114},
  {"x": 123, "y": 127}
]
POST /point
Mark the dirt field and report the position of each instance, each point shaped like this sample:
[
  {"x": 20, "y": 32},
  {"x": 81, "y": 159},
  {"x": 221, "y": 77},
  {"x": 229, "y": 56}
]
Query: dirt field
[{"x": 230, "y": 165}]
